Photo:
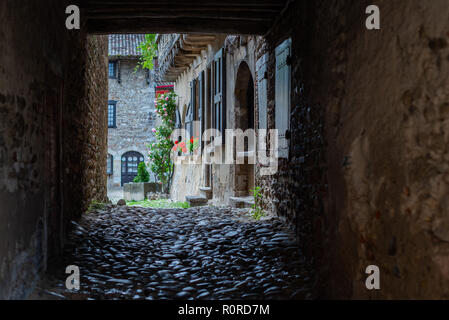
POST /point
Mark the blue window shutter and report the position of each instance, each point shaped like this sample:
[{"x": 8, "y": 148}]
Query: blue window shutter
[
  {"x": 261, "y": 68},
  {"x": 282, "y": 96}
]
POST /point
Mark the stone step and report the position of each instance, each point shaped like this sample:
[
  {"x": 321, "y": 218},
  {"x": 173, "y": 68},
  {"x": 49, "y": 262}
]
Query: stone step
[
  {"x": 196, "y": 201},
  {"x": 206, "y": 191},
  {"x": 241, "y": 202}
]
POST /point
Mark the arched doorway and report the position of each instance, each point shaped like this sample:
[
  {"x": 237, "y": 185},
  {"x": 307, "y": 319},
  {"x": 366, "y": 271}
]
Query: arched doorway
[
  {"x": 130, "y": 162},
  {"x": 244, "y": 120}
]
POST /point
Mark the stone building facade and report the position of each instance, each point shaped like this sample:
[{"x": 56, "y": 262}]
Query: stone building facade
[
  {"x": 130, "y": 109},
  {"x": 365, "y": 177},
  {"x": 229, "y": 62},
  {"x": 362, "y": 177}
]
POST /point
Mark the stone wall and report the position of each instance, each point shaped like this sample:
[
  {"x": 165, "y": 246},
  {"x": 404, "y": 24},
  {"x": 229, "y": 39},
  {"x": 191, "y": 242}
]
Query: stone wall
[
  {"x": 188, "y": 177},
  {"x": 52, "y": 132},
  {"x": 135, "y": 100},
  {"x": 367, "y": 179},
  {"x": 95, "y": 127},
  {"x": 240, "y": 56}
]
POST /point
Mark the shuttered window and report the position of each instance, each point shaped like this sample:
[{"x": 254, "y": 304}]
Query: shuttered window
[
  {"x": 201, "y": 108},
  {"x": 178, "y": 125},
  {"x": 191, "y": 111},
  {"x": 219, "y": 90},
  {"x": 282, "y": 96},
  {"x": 189, "y": 121},
  {"x": 178, "y": 120},
  {"x": 110, "y": 164},
  {"x": 261, "y": 67}
]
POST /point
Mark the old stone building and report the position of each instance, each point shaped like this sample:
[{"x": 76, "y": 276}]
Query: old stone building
[
  {"x": 215, "y": 67},
  {"x": 131, "y": 94},
  {"x": 344, "y": 175},
  {"x": 362, "y": 173}
]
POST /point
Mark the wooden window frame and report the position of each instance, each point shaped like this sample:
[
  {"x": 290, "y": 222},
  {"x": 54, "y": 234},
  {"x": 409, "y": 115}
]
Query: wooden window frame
[
  {"x": 188, "y": 124},
  {"x": 111, "y": 159},
  {"x": 201, "y": 108},
  {"x": 114, "y": 63},
  {"x": 114, "y": 120}
]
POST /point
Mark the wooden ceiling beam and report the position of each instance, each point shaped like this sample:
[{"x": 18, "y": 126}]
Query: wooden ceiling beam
[
  {"x": 179, "y": 3},
  {"x": 184, "y": 25},
  {"x": 181, "y": 16},
  {"x": 240, "y": 15},
  {"x": 169, "y": 9}
]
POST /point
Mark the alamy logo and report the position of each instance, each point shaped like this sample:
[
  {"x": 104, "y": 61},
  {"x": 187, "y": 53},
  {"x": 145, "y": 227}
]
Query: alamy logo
[
  {"x": 373, "y": 20},
  {"x": 73, "y": 280},
  {"x": 240, "y": 147},
  {"x": 73, "y": 20},
  {"x": 373, "y": 280}
]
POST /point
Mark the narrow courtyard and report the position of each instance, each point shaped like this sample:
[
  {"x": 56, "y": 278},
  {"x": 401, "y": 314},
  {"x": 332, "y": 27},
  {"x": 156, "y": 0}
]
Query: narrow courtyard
[{"x": 129, "y": 252}]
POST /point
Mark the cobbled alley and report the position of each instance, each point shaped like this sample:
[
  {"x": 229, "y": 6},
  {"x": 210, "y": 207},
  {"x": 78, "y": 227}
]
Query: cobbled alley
[{"x": 197, "y": 253}]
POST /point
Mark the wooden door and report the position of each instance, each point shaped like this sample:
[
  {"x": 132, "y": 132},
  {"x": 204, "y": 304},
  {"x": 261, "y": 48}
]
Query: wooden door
[{"x": 130, "y": 162}]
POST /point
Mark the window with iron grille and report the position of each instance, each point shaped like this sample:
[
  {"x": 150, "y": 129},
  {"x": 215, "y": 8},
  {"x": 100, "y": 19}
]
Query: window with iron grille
[
  {"x": 112, "y": 114},
  {"x": 110, "y": 164},
  {"x": 112, "y": 69}
]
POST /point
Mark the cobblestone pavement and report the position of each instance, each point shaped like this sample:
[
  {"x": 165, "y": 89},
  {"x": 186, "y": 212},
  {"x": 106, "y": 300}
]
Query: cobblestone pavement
[{"x": 196, "y": 253}]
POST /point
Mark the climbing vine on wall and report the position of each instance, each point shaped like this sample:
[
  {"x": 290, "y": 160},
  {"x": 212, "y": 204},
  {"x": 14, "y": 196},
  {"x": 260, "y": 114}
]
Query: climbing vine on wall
[
  {"x": 161, "y": 163},
  {"x": 148, "y": 50}
]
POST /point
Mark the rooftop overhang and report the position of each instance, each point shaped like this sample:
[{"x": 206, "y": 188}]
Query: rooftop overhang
[
  {"x": 181, "y": 16},
  {"x": 178, "y": 51}
]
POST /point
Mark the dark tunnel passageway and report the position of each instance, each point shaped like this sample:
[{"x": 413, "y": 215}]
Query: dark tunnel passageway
[{"x": 362, "y": 115}]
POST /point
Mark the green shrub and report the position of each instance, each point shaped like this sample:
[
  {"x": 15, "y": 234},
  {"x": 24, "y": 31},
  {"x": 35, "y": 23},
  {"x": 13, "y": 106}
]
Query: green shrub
[
  {"x": 256, "y": 209},
  {"x": 142, "y": 173}
]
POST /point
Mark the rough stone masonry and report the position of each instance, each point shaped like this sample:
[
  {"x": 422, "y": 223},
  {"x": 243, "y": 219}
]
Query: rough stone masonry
[
  {"x": 53, "y": 132},
  {"x": 367, "y": 179}
]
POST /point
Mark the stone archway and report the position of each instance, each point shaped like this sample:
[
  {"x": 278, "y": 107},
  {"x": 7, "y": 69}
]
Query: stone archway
[{"x": 244, "y": 120}]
